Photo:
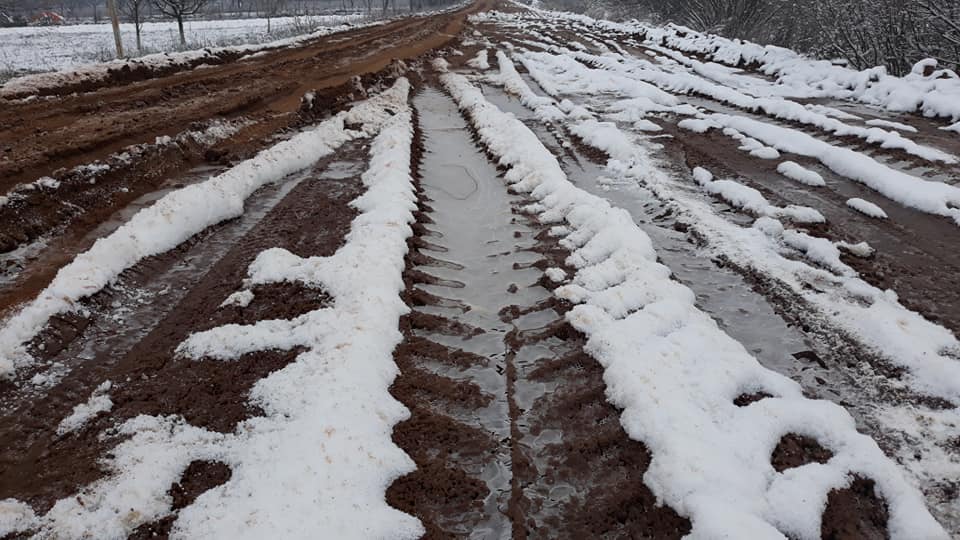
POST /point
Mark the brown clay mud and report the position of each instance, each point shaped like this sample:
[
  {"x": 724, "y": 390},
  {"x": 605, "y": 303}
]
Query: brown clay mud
[
  {"x": 132, "y": 330},
  {"x": 522, "y": 428}
]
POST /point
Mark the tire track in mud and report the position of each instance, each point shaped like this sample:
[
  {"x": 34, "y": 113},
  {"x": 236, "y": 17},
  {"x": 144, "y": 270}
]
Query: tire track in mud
[
  {"x": 132, "y": 330},
  {"x": 739, "y": 307},
  {"x": 510, "y": 429}
]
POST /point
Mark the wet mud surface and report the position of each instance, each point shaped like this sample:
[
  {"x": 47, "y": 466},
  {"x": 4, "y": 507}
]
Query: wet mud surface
[
  {"x": 510, "y": 428},
  {"x": 133, "y": 328}
]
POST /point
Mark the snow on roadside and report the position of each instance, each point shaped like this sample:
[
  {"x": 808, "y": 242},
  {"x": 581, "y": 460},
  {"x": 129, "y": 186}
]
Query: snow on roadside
[
  {"x": 183, "y": 213},
  {"x": 31, "y": 84},
  {"x": 934, "y": 94},
  {"x": 319, "y": 460},
  {"x": 642, "y": 71},
  {"x": 56, "y": 48},
  {"x": 866, "y": 208},
  {"x": 99, "y": 402},
  {"x": 675, "y": 374}
]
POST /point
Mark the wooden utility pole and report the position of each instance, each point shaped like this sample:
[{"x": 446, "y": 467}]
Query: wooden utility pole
[{"x": 112, "y": 8}]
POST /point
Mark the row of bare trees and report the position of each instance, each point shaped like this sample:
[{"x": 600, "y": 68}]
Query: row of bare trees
[{"x": 892, "y": 33}]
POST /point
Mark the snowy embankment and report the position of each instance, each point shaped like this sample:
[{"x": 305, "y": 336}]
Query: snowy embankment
[
  {"x": 675, "y": 374},
  {"x": 181, "y": 214},
  {"x": 927, "y": 90},
  {"x": 77, "y": 67},
  {"x": 57, "y": 48},
  {"x": 319, "y": 460}
]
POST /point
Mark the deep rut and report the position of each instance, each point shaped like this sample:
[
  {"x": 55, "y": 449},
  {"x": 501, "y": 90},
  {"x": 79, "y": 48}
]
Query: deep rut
[{"x": 510, "y": 428}]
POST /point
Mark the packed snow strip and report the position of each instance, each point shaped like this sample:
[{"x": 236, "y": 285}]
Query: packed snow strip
[
  {"x": 675, "y": 374},
  {"x": 892, "y": 125},
  {"x": 318, "y": 462},
  {"x": 99, "y": 402},
  {"x": 927, "y": 89},
  {"x": 866, "y": 208},
  {"x": 795, "y": 171},
  {"x": 683, "y": 82},
  {"x": 514, "y": 84},
  {"x": 734, "y": 193},
  {"x": 778, "y": 108},
  {"x": 882, "y": 324},
  {"x": 184, "y": 213},
  {"x": 925, "y": 195}
]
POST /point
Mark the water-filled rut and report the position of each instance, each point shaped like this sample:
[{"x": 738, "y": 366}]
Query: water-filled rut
[{"x": 509, "y": 427}]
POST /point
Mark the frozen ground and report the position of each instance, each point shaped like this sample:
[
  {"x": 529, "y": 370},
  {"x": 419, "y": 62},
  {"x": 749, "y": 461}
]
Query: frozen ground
[
  {"x": 549, "y": 276},
  {"x": 54, "y": 48}
]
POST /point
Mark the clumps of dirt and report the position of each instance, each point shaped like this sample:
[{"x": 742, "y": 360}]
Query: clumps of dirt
[
  {"x": 212, "y": 394},
  {"x": 434, "y": 492},
  {"x": 795, "y": 450},
  {"x": 284, "y": 300},
  {"x": 322, "y": 103},
  {"x": 439, "y": 392},
  {"x": 197, "y": 479},
  {"x": 418, "y": 347},
  {"x": 597, "y": 460},
  {"x": 419, "y": 320},
  {"x": 855, "y": 513},
  {"x": 746, "y": 399}
]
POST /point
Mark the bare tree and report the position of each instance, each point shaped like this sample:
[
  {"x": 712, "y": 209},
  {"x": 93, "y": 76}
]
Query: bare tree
[
  {"x": 891, "y": 33},
  {"x": 133, "y": 11},
  {"x": 178, "y": 9}
]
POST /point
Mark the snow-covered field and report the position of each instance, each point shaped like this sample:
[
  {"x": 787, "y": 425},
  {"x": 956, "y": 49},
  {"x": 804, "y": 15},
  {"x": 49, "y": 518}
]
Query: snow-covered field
[{"x": 54, "y": 48}]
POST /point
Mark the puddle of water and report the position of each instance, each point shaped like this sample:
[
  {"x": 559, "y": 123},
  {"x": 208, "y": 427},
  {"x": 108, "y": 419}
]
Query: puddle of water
[{"x": 489, "y": 259}]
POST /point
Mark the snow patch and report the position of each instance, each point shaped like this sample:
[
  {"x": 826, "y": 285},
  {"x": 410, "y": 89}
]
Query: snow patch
[
  {"x": 866, "y": 208},
  {"x": 99, "y": 402},
  {"x": 239, "y": 299},
  {"x": 795, "y": 171}
]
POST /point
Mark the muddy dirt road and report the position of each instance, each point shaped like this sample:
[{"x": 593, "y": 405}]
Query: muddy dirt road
[{"x": 489, "y": 273}]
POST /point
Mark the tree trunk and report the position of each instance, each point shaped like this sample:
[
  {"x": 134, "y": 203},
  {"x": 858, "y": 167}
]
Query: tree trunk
[
  {"x": 183, "y": 38},
  {"x": 136, "y": 26}
]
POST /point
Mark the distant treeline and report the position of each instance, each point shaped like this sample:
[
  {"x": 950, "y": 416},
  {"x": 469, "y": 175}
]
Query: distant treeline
[
  {"x": 21, "y": 12},
  {"x": 892, "y": 33}
]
